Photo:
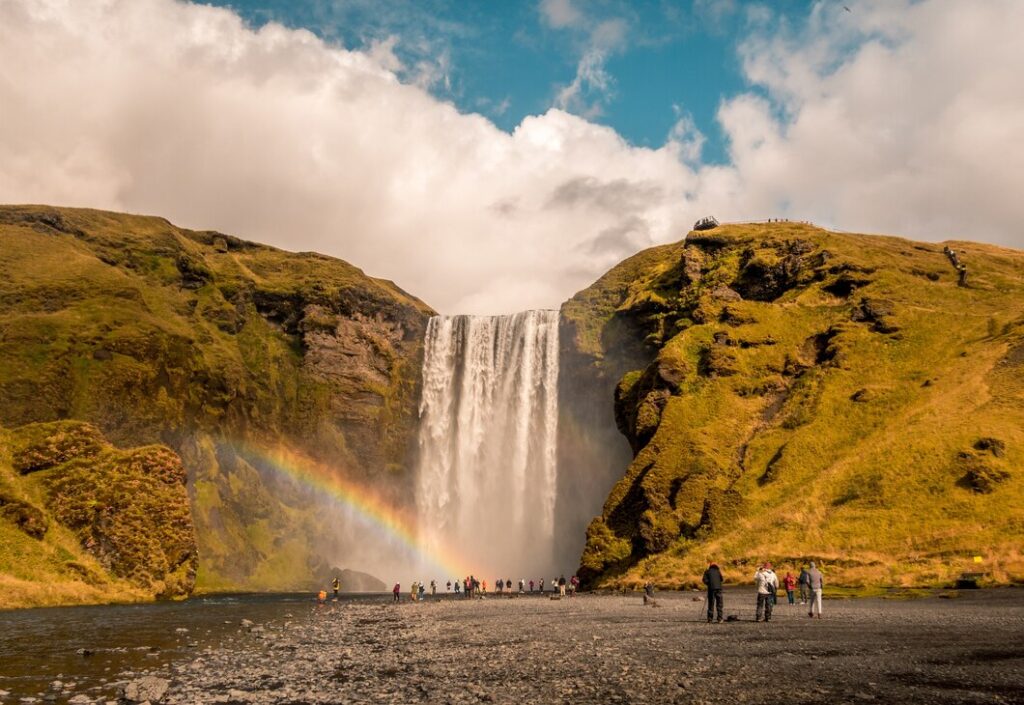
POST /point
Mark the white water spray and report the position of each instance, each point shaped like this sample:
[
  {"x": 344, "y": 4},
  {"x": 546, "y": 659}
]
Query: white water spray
[{"x": 488, "y": 432}]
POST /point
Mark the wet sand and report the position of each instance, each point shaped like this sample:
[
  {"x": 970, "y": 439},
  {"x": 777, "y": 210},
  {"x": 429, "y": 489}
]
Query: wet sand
[{"x": 612, "y": 649}]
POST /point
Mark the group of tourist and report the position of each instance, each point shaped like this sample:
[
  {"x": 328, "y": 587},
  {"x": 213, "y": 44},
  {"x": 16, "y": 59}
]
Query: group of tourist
[
  {"x": 810, "y": 582},
  {"x": 471, "y": 587}
]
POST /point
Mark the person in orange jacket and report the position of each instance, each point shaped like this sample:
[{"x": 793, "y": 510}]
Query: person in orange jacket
[{"x": 789, "y": 583}]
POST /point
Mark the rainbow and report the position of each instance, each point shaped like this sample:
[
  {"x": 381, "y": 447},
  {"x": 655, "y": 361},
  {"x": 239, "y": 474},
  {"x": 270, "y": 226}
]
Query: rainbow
[{"x": 368, "y": 506}]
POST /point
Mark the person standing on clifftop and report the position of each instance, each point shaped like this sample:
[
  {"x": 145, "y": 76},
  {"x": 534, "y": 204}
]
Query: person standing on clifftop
[
  {"x": 713, "y": 579},
  {"x": 767, "y": 585},
  {"x": 816, "y": 582}
]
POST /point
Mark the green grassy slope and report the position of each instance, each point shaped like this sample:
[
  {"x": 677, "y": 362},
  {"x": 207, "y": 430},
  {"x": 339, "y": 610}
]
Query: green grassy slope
[
  {"x": 81, "y": 521},
  {"x": 802, "y": 394},
  {"x": 212, "y": 345}
]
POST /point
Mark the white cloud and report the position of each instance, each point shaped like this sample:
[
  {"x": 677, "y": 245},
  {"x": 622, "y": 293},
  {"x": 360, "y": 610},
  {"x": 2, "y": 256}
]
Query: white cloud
[
  {"x": 898, "y": 117},
  {"x": 560, "y": 13},
  {"x": 182, "y": 110}
]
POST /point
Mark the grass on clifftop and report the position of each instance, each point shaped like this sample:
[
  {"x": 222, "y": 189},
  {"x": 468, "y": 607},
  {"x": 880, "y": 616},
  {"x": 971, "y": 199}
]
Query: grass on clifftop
[{"x": 815, "y": 396}]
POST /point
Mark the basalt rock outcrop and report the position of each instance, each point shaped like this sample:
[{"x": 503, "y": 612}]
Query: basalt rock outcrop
[
  {"x": 791, "y": 394},
  {"x": 223, "y": 350}
]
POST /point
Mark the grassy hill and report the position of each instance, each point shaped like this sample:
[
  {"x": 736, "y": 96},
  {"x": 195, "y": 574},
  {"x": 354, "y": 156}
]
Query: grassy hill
[
  {"x": 212, "y": 346},
  {"x": 794, "y": 394},
  {"x": 81, "y": 521}
]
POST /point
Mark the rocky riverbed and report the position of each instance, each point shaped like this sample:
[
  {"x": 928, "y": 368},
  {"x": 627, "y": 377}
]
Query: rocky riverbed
[
  {"x": 612, "y": 649},
  {"x": 961, "y": 648}
]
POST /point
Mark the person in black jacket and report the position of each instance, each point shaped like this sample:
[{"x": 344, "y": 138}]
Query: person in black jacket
[{"x": 713, "y": 579}]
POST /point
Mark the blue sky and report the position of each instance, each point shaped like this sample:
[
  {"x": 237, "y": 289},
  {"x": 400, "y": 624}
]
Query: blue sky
[{"x": 508, "y": 59}]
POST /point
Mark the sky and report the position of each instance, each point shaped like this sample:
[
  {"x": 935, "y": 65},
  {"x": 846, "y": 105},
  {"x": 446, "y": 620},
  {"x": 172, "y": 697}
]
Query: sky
[{"x": 495, "y": 156}]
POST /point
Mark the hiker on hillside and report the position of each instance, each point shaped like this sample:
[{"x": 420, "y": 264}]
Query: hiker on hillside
[
  {"x": 397, "y": 592},
  {"x": 713, "y": 579},
  {"x": 816, "y": 583},
  {"x": 561, "y": 586},
  {"x": 804, "y": 581},
  {"x": 767, "y": 585},
  {"x": 789, "y": 583},
  {"x": 336, "y": 585}
]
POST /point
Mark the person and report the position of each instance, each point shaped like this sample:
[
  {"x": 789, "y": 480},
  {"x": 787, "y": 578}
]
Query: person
[
  {"x": 713, "y": 580},
  {"x": 542, "y": 584},
  {"x": 531, "y": 584},
  {"x": 414, "y": 592},
  {"x": 648, "y": 592},
  {"x": 574, "y": 583},
  {"x": 423, "y": 590},
  {"x": 767, "y": 584},
  {"x": 483, "y": 588},
  {"x": 433, "y": 587},
  {"x": 789, "y": 583},
  {"x": 336, "y": 585},
  {"x": 804, "y": 582},
  {"x": 499, "y": 585},
  {"x": 448, "y": 586},
  {"x": 522, "y": 585},
  {"x": 508, "y": 585},
  {"x": 554, "y": 585},
  {"x": 816, "y": 583},
  {"x": 397, "y": 592},
  {"x": 456, "y": 587},
  {"x": 561, "y": 586}
]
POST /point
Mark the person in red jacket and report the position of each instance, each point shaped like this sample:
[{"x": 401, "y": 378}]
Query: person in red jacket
[
  {"x": 397, "y": 591},
  {"x": 789, "y": 583}
]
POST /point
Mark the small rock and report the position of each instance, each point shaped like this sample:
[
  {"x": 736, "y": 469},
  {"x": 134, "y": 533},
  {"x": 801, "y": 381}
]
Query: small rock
[
  {"x": 181, "y": 630},
  {"x": 149, "y": 688}
]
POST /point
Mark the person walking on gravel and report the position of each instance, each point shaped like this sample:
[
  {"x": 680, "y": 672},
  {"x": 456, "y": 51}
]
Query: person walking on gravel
[
  {"x": 789, "y": 583},
  {"x": 805, "y": 585},
  {"x": 816, "y": 583},
  {"x": 713, "y": 579},
  {"x": 561, "y": 586},
  {"x": 397, "y": 592},
  {"x": 767, "y": 585}
]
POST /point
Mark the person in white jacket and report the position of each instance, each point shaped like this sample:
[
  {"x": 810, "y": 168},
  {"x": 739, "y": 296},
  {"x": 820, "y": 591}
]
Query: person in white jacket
[{"x": 767, "y": 583}]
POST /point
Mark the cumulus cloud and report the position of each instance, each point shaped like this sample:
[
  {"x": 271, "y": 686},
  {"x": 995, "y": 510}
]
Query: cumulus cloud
[{"x": 902, "y": 117}]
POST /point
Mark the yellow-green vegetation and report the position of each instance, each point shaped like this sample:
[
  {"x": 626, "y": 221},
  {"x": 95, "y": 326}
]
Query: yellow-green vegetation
[
  {"x": 804, "y": 395},
  {"x": 215, "y": 347},
  {"x": 84, "y": 522}
]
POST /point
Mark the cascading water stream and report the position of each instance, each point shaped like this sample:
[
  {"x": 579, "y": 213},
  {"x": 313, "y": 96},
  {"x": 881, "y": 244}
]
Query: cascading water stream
[{"x": 487, "y": 478}]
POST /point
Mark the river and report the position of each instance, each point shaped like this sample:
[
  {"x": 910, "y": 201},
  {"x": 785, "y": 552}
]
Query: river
[{"x": 40, "y": 646}]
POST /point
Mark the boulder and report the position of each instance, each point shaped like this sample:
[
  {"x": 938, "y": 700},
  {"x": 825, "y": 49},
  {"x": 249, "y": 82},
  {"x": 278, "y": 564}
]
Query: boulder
[{"x": 146, "y": 689}]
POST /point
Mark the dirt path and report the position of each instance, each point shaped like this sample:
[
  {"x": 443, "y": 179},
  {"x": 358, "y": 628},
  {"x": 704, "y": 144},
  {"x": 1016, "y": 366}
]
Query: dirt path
[{"x": 610, "y": 649}]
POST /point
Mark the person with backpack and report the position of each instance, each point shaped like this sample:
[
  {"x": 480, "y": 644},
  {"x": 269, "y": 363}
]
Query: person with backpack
[
  {"x": 713, "y": 580},
  {"x": 816, "y": 582},
  {"x": 767, "y": 585},
  {"x": 805, "y": 585}
]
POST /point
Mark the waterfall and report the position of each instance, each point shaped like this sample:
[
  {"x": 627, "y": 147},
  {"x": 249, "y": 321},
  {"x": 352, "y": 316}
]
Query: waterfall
[{"x": 488, "y": 431}]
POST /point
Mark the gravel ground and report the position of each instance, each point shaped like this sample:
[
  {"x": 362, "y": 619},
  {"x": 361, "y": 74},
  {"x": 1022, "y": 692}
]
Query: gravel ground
[{"x": 612, "y": 649}]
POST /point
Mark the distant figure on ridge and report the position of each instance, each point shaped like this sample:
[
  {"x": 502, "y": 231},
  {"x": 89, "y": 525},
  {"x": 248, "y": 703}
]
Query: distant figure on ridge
[
  {"x": 767, "y": 585},
  {"x": 816, "y": 582},
  {"x": 713, "y": 580}
]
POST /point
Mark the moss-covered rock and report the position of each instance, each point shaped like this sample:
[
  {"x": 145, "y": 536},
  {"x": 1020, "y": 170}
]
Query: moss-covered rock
[
  {"x": 804, "y": 400},
  {"x": 222, "y": 349}
]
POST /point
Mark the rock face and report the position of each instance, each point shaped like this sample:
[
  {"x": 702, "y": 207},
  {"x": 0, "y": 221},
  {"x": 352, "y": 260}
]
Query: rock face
[
  {"x": 227, "y": 352},
  {"x": 796, "y": 395},
  {"x": 81, "y": 520}
]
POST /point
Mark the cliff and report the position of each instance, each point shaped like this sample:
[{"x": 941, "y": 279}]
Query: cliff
[
  {"x": 803, "y": 395},
  {"x": 217, "y": 348}
]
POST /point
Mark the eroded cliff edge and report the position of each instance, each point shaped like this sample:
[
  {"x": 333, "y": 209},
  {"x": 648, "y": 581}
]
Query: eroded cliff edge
[
  {"x": 224, "y": 351},
  {"x": 802, "y": 394}
]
